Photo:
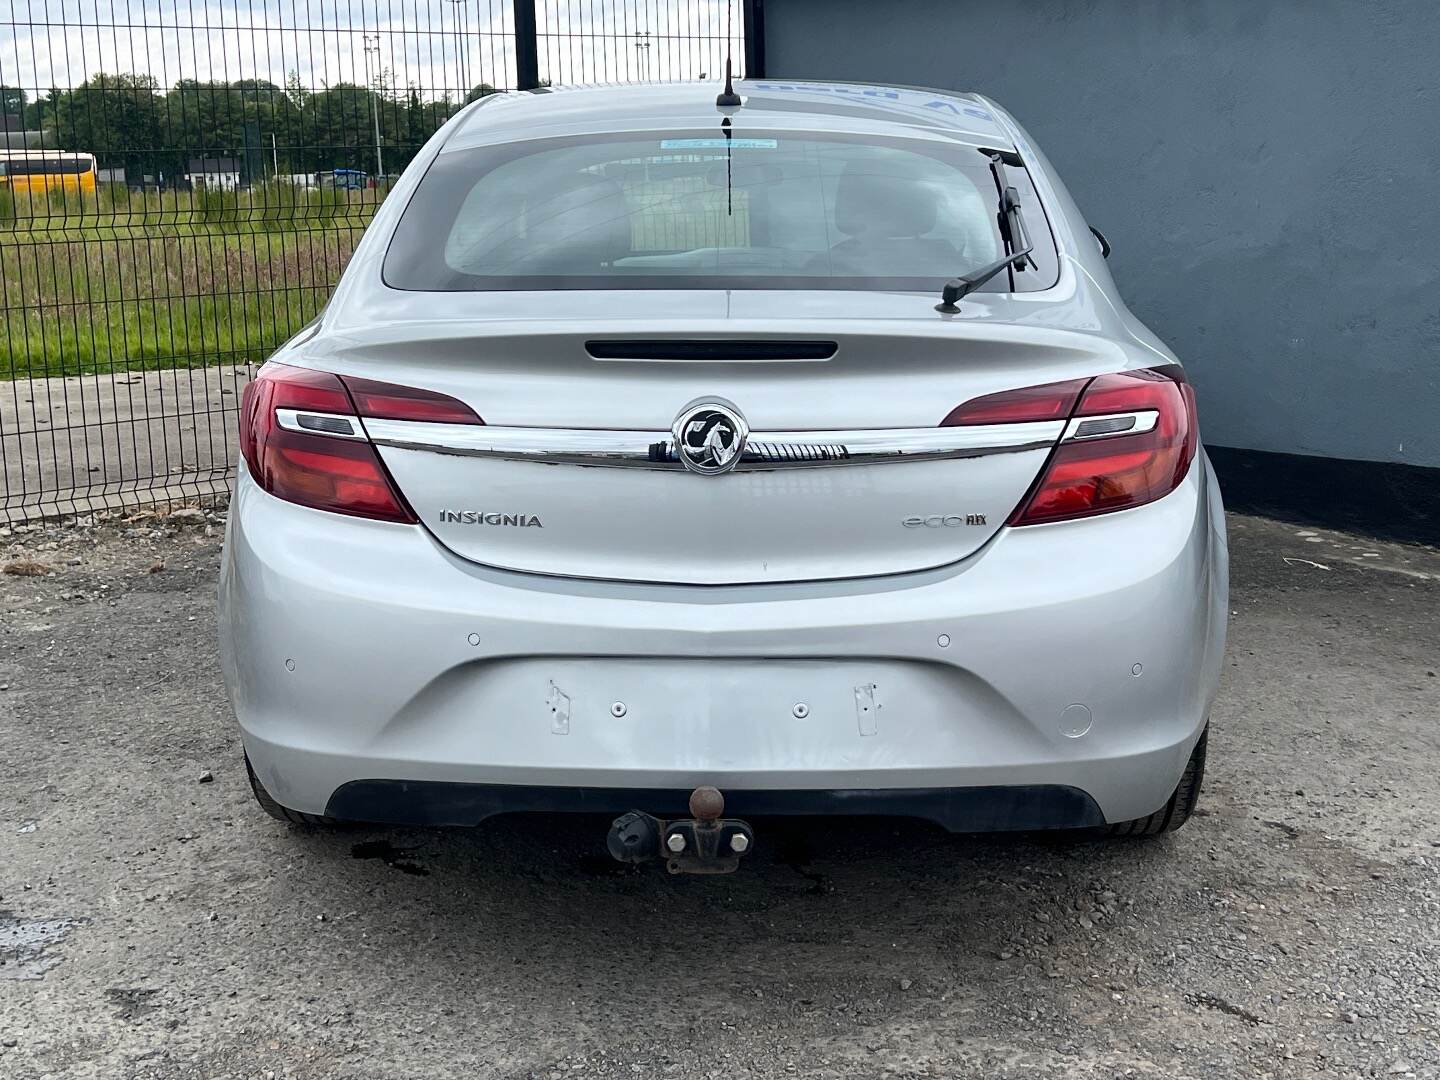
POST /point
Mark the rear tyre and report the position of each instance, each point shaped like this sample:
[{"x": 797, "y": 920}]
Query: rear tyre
[
  {"x": 283, "y": 813},
  {"x": 1181, "y": 805}
]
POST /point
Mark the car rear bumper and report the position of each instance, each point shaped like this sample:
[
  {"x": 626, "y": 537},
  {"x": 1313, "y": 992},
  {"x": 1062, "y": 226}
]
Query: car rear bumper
[
  {"x": 370, "y": 670},
  {"x": 971, "y": 809}
]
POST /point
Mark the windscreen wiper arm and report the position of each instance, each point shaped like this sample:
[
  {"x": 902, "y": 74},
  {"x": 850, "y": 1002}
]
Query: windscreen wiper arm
[
  {"x": 1012, "y": 220},
  {"x": 961, "y": 287}
]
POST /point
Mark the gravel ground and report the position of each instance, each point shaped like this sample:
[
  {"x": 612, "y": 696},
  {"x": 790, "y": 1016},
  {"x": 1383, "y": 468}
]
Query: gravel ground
[{"x": 153, "y": 923}]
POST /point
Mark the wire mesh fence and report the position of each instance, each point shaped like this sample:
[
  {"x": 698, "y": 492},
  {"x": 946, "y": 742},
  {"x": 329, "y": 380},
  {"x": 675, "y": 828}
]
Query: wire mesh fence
[{"x": 181, "y": 184}]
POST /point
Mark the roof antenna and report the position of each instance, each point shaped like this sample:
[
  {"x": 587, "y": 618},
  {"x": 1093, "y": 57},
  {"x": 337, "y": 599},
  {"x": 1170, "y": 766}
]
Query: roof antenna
[{"x": 727, "y": 98}]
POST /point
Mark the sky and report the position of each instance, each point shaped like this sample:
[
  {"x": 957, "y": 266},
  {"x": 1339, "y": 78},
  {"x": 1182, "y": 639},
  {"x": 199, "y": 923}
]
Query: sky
[{"x": 436, "y": 45}]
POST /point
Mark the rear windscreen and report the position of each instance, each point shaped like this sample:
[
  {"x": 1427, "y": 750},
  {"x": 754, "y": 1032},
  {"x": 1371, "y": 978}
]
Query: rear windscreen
[{"x": 701, "y": 211}]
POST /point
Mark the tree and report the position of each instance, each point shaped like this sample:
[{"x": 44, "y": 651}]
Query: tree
[
  {"x": 12, "y": 101},
  {"x": 126, "y": 121},
  {"x": 204, "y": 117},
  {"x": 340, "y": 128},
  {"x": 118, "y": 119},
  {"x": 40, "y": 113}
]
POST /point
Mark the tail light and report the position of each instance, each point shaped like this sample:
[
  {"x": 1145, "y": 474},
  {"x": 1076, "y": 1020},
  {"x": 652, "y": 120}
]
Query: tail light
[
  {"x": 1129, "y": 439},
  {"x": 385, "y": 401},
  {"x": 1052, "y": 401},
  {"x": 301, "y": 435}
]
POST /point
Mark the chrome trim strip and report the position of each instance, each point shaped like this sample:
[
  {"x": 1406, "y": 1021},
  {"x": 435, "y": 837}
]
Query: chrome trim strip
[
  {"x": 765, "y": 450},
  {"x": 318, "y": 423},
  {"x": 1101, "y": 427}
]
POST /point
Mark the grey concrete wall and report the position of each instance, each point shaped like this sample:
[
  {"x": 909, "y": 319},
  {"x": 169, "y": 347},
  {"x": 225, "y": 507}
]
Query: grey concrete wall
[{"x": 1267, "y": 170}]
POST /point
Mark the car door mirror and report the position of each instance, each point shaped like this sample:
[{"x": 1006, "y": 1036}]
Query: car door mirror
[{"x": 1100, "y": 238}]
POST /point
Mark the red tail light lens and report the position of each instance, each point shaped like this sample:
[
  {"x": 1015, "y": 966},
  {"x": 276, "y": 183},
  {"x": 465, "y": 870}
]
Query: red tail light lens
[
  {"x": 385, "y": 401},
  {"x": 335, "y": 472},
  {"x": 1051, "y": 401},
  {"x": 1117, "y": 470}
]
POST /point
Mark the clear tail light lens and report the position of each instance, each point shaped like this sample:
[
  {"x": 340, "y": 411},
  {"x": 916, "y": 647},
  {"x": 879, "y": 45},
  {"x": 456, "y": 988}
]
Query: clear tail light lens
[
  {"x": 1121, "y": 469},
  {"x": 333, "y": 467}
]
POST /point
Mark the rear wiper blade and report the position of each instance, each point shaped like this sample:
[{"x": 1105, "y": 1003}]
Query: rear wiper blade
[
  {"x": 1012, "y": 220},
  {"x": 958, "y": 288}
]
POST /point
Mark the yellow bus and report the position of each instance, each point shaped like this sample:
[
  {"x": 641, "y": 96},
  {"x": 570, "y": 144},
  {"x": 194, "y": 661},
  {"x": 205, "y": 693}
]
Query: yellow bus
[{"x": 47, "y": 170}]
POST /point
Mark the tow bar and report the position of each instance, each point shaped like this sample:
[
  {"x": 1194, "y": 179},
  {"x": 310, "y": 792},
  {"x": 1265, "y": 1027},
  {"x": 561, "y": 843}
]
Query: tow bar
[{"x": 704, "y": 844}]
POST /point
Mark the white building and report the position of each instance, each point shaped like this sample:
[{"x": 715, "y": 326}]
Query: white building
[{"x": 220, "y": 173}]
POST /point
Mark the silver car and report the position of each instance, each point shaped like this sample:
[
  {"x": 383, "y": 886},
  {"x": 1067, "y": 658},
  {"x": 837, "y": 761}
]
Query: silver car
[{"x": 800, "y": 448}]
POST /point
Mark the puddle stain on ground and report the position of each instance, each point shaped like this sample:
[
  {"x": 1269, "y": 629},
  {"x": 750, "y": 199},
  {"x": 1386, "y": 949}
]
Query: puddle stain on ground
[
  {"x": 602, "y": 865},
  {"x": 131, "y": 1001},
  {"x": 23, "y": 943},
  {"x": 391, "y": 856}
]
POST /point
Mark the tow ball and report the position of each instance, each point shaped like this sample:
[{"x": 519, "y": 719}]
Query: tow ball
[{"x": 703, "y": 844}]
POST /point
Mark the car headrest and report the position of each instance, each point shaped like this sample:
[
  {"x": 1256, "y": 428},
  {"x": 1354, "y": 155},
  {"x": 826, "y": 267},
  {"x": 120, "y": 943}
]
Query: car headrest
[
  {"x": 882, "y": 204},
  {"x": 585, "y": 219}
]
